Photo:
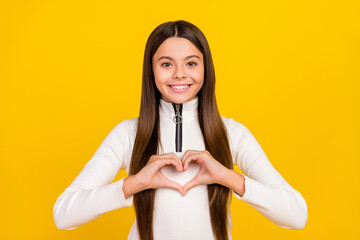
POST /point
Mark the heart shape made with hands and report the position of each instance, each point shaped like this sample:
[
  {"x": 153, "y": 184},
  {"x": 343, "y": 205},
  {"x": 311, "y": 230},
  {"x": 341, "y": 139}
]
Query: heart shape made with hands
[{"x": 181, "y": 177}]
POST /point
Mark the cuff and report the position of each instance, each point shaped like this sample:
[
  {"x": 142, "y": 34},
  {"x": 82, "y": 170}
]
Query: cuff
[
  {"x": 247, "y": 190},
  {"x": 125, "y": 202}
]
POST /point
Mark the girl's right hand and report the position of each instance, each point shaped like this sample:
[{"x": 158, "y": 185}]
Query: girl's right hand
[{"x": 150, "y": 175}]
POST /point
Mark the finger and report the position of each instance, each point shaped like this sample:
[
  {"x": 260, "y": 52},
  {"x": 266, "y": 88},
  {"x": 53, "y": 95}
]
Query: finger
[
  {"x": 169, "y": 161},
  {"x": 174, "y": 185},
  {"x": 192, "y": 183},
  {"x": 170, "y": 184},
  {"x": 178, "y": 160},
  {"x": 170, "y": 156},
  {"x": 185, "y": 157},
  {"x": 187, "y": 153},
  {"x": 166, "y": 155},
  {"x": 191, "y": 158}
]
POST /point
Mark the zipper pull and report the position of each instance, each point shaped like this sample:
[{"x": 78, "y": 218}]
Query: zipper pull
[
  {"x": 178, "y": 127},
  {"x": 177, "y": 114}
]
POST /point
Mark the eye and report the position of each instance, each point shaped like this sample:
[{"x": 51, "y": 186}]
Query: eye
[
  {"x": 166, "y": 64},
  {"x": 192, "y": 64}
]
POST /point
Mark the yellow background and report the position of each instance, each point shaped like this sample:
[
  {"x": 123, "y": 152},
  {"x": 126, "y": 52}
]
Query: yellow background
[{"x": 288, "y": 70}]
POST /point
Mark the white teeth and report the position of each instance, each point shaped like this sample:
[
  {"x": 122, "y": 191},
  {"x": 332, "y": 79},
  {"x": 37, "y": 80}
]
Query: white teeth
[{"x": 180, "y": 87}]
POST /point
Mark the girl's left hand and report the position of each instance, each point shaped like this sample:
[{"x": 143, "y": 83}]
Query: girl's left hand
[{"x": 211, "y": 171}]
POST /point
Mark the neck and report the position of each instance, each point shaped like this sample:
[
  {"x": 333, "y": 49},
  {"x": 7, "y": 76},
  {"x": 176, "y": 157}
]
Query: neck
[{"x": 189, "y": 108}]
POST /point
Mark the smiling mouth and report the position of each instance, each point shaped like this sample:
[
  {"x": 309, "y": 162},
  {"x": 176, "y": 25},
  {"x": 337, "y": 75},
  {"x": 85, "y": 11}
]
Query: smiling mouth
[{"x": 180, "y": 87}]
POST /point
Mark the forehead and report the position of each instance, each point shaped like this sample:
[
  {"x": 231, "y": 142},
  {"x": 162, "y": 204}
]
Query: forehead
[{"x": 177, "y": 47}]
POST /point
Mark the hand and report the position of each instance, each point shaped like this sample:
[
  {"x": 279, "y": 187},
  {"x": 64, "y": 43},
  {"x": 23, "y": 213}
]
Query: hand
[
  {"x": 211, "y": 171},
  {"x": 151, "y": 176}
]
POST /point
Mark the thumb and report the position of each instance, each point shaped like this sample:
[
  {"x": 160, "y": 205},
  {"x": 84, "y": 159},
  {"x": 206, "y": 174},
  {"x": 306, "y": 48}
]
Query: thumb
[
  {"x": 174, "y": 185},
  {"x": 192, "y": 183}
]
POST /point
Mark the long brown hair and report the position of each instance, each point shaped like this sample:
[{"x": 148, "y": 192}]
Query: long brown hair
[{"x": 148, "y": 130}]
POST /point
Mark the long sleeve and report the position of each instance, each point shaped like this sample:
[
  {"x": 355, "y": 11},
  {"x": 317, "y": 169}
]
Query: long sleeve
[
  {"x": 90, "y": 195},
  {"x": 265, "y": 189}
]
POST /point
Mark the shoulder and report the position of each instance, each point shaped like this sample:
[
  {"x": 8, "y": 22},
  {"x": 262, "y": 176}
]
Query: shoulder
[
  {"x": 236, "y": 130},
  {"x": 232, "y": 124},
  {"x": 127, "y": 124},
  {"x": 124, "y": 127}
]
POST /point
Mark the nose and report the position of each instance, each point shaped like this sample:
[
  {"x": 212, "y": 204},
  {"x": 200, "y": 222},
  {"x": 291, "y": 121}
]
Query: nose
[{"x": 179, "y": 73}]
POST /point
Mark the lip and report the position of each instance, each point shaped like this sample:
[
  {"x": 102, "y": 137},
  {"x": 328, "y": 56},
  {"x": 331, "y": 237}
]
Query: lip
[{"x": 179, "y": 90}]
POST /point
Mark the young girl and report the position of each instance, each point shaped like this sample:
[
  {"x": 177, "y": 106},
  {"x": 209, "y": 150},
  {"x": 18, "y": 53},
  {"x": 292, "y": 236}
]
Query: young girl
[{"x": 179, "y": 155}]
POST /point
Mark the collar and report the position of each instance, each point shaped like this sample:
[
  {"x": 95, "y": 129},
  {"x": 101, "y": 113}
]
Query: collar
[{"x": 189, "y": 108}]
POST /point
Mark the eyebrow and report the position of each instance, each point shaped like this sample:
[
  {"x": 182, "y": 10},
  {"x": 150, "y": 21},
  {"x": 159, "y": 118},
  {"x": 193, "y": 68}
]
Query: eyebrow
[{"x": 186, "y": 58}]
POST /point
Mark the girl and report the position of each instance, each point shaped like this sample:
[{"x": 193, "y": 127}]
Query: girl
[{"x": 179, "y": 155}]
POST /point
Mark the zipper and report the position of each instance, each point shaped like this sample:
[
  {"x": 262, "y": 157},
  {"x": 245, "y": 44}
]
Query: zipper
[{"x": 178, "y": 128}]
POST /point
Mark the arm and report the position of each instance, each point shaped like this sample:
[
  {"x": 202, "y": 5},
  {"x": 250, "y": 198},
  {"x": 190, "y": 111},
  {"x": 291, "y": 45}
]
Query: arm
[
  {"x": 90, "y": 195},
  {"x": 262, "y": 186}
]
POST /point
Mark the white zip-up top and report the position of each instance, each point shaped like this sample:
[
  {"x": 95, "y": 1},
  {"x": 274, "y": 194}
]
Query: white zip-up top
[{"x": 178, "y": 217}]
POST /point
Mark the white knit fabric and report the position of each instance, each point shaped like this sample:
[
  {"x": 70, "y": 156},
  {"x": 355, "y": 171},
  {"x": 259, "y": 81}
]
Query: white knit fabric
[{"x": 92, "y": 194}]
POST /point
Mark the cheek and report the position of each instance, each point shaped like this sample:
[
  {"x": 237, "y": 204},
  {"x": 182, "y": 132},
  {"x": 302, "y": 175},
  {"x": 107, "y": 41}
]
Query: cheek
[
  {"x": 198, "y": 76},
  {"x": 161, "y": 76}
]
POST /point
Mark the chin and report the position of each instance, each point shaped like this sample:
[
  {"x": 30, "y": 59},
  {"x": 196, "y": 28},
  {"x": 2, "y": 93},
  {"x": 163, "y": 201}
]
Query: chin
[{"x": 178, "y": 100}]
